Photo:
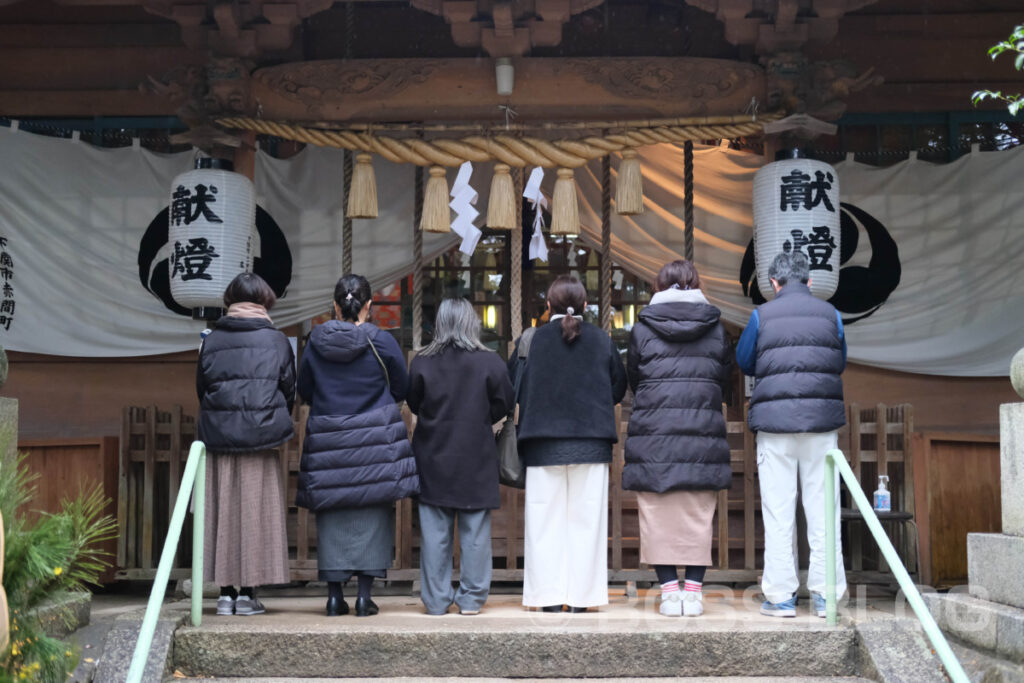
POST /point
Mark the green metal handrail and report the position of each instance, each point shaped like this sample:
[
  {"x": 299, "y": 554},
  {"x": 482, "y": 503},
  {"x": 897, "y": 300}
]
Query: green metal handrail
[
  {"x": 193, "y": 482},
  {"x": 835, "y": 458}
]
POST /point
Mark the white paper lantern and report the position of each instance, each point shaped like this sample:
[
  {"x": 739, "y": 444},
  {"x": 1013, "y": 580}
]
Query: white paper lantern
[
  {"x": 796, "y": 207},
  {"x": 212, "y": 218}
]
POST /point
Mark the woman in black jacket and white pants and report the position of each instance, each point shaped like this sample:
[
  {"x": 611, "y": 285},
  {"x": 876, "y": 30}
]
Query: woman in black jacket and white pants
[
  {"x": 245, "y": 379},
  {"x": 677, "y": 457},
  {"x": 573, "y": 378},
  {"x": 458, "y": 388}
]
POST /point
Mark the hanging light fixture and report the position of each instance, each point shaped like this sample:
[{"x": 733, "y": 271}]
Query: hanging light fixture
[
  {"x": 211, "y": 221},
  {"x": 796, "y": 208}
]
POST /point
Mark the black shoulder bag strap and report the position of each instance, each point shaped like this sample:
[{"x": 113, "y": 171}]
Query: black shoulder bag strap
[
  {"x": 522, "y": 352},
  {"x": 380, "y": 360}
]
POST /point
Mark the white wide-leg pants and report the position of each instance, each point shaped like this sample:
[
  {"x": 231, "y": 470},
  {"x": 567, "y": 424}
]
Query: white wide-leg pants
[
  {"x": 566, "y": 536},
  {"x": 781, "y": 460}
]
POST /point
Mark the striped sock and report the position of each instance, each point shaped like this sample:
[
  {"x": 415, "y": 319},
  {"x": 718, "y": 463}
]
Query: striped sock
[
  {"x": 694, "y": 586},
  {"x": 670, "y": 587}
]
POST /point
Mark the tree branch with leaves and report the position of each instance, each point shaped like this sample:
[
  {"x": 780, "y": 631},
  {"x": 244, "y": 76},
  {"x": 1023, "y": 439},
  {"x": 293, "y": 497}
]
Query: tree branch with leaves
[{"x": 1014, "y": 44}]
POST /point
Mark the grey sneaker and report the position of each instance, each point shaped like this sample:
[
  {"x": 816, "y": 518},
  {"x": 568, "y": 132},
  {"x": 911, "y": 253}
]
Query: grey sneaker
[
  {"x": 818, "y": 604},
  {"x": 225, "y": 606},
  {"x": 246, "y": 606},
  {"x": 786, "y": 608}
]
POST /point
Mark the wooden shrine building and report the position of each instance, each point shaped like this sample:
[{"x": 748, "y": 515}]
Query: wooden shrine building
[{"x": 553, "y": 83}]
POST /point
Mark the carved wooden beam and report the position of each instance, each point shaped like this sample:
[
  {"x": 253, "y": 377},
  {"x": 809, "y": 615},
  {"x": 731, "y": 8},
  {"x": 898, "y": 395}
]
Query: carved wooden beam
[
  {"x": 779, "y": 24},
  {"x": 390, "y": 90},
  {"x": 243, "y": 28},
  {"x": 506, "y": 28}
]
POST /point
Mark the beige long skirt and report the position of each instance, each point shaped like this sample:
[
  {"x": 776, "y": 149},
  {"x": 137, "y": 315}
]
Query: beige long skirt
[
  {"x": 675, "y": 527},
  {"x": 246, "y": 542}
]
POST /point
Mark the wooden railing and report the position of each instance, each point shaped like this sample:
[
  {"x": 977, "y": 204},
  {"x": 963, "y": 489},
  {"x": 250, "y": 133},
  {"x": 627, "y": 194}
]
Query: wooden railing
[
  {"x": 153, "y": 450},
  {"x": 737, "y": 548}
]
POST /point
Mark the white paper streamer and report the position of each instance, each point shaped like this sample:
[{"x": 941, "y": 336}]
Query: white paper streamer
[
  {"x": 463, "y": 200},
  {"x": 538, "y": 247}
]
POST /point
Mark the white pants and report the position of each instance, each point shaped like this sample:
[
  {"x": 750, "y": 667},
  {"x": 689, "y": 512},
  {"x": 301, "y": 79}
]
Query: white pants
[
  {"x": 566, "y": 536},
  {"x": 781, "y": 460}
]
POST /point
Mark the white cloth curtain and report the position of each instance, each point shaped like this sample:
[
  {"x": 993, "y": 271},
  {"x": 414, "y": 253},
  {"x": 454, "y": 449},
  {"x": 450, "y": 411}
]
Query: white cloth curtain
[
  {"x": 73, "y": 216},
  {"x": 959, "y": 227}
]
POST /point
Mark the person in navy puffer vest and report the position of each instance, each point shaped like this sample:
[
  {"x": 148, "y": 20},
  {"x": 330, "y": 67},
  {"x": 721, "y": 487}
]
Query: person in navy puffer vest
[
  {"x": 356, "y": 458},
  {"x": 677, "y": 458},
  {"x": 795, "y": 348}
]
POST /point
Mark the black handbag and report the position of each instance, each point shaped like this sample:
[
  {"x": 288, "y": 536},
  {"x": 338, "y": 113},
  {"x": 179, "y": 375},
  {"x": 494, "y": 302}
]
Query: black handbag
[{"x": 511, "y": 471}]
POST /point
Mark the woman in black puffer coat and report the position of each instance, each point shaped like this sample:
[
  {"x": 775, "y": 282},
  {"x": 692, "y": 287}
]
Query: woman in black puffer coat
[
  {"x": 677, "y": 456},
  {"x": 245, "y": 379},
  {"x": 356, "y": 459}
]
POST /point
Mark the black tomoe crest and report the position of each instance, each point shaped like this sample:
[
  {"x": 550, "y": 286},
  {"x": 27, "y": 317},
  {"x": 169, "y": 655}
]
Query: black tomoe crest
[
  {"x": 273, "y": 262},
  {"x": 862, "y": 289}
]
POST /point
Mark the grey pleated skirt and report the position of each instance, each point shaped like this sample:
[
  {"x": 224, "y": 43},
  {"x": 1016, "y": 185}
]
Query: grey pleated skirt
[{"x": 355, "y": 541}]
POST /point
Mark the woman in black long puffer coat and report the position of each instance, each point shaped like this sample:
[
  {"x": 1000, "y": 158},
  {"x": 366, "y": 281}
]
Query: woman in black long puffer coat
[
  {"x": 356, "y": 458},
  {"x": 245, "y": 379},
  {"x": 677, "y": 456}
]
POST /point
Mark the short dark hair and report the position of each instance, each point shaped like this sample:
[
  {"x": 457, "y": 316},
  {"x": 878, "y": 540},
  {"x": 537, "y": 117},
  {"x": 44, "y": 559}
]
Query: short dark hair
[
  {"x": 351, "y": 294},
  {"x": 681, "y": 273},
  {"x": 249, "y": 288},
  {"x": 790, "y": 265},
  {"x": 565, "y": 292}
]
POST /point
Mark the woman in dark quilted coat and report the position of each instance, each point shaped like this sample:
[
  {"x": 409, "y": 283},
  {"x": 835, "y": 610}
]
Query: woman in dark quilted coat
[
  {"x": 245, "y": 379},
  {"x": 458, "y": 389},
  {"x": 677, "y": 457},
  {"x": 356, "y": 459}
]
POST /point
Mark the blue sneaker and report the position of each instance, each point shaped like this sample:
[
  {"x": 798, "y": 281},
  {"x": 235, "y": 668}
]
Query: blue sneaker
[
  {"x": 786, "y": 608},
  {"x": 818, "y": 604}
]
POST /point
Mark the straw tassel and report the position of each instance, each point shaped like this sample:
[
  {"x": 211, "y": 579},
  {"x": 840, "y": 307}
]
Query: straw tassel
[
  {"x": 436, "y": 214},
  {"x": 362, "y": 194},
  {"x": 501, "y": 205},
  {"x": 629, "y": 186},
  {"x": 565, "y": 212}
]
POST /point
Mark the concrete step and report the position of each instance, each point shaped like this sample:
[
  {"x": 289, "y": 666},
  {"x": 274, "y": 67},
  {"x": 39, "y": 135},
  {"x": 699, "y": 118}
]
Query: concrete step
[
  {"x": 726, "y": 679},
  {"x": 628, "y": 639}
]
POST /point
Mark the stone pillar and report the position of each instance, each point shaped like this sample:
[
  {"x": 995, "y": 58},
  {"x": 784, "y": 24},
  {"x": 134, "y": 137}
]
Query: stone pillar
[
  {"x": 8, "y": 426},
  {"x": 995, "y": 562}
]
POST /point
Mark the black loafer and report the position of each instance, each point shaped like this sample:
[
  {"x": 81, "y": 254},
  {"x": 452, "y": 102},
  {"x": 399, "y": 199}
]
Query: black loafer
[
  {"x": 552, "y": 608},
  {"x": 577, "y": 610},
  {"x": 336, "y": 607},
  {"x": 365, "y": 607}
]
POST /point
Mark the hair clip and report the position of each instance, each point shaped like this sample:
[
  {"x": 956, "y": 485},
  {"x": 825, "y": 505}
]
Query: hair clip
[
  {"x": 570, "y": 310},
  {"x": 348, "y": 297}
]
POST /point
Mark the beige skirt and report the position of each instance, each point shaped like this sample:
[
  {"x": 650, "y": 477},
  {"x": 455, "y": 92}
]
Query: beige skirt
[
  {"x": 246, "y": 542},
  {"x": 675, "y": 527}
]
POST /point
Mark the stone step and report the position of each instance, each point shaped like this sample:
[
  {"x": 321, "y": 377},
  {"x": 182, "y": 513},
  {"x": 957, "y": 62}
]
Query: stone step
[
  {"x": 724, "y": 679},
  {"x": 627, "y": 639}
]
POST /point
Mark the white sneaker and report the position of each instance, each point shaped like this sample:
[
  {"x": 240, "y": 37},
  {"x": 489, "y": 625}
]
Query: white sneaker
[
  {"x": 225, "y": 606},
  {"x": 693, "y": 603},
  {"x": 246, "y": 606},
  {"x": 671, "y": 604}
]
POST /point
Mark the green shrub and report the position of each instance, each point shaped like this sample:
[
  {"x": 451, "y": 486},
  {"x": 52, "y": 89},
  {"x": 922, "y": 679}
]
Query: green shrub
[{"x": 42, "y": 558}]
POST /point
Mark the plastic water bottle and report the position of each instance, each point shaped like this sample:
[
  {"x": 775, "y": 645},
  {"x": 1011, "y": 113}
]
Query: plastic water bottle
[{"x": 883, "y": 501}]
